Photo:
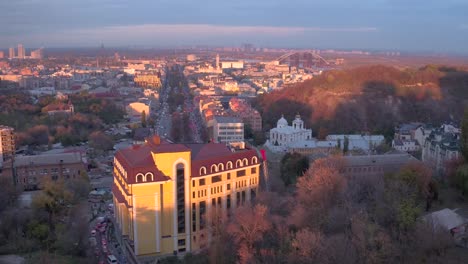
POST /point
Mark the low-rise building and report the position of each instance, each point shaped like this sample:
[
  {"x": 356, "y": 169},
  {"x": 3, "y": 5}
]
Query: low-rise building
[
  {"x": 375, "y": 165},
  {"x": 7, "y": 144},
  {"x": 227, "y": 129},
  {"x": 440, "y": 147},
  {"x": 357, "y": 142},
  {"x": 30, "y": 171}
]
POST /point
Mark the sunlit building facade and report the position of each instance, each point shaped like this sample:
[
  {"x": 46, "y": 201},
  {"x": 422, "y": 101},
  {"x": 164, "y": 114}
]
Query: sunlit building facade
[{"x": 167, "y": 195}]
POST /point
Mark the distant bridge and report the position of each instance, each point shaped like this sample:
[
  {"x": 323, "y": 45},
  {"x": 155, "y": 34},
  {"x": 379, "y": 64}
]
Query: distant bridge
[{"x": 306, "y": 58}]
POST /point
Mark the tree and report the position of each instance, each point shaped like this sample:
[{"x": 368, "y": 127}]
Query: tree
[
  {"x": 100, "y": 141},
  {"x": 248, "y": 227},
  {"x": 53, "y": 200},
  {"x": 461, "y": 179},
  {"x": 248, "y": 132},
  {"x": 345, "y": 145},
  {"x": 292, "y": 166},
  {"x": 464, "y": 135},
  {"x": 143, "y": 119}
]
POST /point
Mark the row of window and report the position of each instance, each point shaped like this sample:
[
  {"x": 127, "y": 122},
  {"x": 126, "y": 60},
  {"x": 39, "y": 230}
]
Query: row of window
[
  {"x": 363, "y": 169},
  {"x": 229, "y": 165}
]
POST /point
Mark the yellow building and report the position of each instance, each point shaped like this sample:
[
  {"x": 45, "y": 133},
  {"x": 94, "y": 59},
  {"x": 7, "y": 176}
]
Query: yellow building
[
  {"x": 165, "y": 195},
  {"x": 147, "y": 81}
]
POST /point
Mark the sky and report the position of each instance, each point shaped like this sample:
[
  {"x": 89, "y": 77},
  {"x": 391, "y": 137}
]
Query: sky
[{"x": 405, "y": 25}]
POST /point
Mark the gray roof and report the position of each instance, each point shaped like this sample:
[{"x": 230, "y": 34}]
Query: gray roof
[
  {"x": 227, "y": 119},
  {"x": 445, "y": 219},
  {"x": 48, "y": 159},
  {"x": 383, "y": 160}
]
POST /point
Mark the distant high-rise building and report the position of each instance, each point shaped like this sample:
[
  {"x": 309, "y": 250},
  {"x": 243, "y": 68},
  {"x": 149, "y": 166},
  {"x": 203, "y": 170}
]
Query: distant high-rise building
[
  {"x": 37, "y": 54},
  {"x": 248, "y": 47},
  {"x": 2, "y": 54},
  {"x": 217, "y": 61},
  {"x": 7, "y": 144},
  {"x": 21, "y": 52},
  {"x": 11, "y": 53}
]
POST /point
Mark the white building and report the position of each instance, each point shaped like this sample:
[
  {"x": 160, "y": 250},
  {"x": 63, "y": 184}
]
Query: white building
[
  {"x": 232, "y": 64},
  {"x": 136, "y": 109},
  {"x": 284, "y": 135},
  {"x": 357, "y": 142},
  {"x": 227, "y": 129}
]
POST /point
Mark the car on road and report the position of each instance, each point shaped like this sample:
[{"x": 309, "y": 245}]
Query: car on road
[{"x": 111, "y": 259}]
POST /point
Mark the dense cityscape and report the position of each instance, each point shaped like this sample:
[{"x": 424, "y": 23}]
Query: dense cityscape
[{"x": 174, "y": 139}]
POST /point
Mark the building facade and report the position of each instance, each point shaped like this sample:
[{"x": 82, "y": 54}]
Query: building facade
[
  {"x": 284, "y": 135},
  {"x": 21, "y": 51},
  {"x": 11, "y": 53},
  {"x": 227, "y": 129},
  {"x": 166, "y": 195},
  {"x": 441, "y": 146},
  {"x": 7, "y": 144},
  {"x": 31, "y": 171}
]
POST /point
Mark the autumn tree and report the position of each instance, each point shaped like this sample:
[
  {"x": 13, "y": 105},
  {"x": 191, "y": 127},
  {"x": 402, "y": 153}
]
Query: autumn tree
[
  {"x": 100, "y": 141},
  {"x": 317, "y": 191},
  {"x": 247, "y": 228}
]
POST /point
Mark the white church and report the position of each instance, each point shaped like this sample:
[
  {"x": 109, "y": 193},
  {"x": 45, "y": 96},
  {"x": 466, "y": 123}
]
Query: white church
[
  {"x": 283, "y": 135},
  {"x": 297, "y": 138}
]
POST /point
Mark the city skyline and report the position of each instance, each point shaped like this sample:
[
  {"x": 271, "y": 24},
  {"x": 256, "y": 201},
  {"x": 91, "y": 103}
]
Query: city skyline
[{"x": 428, "y": 26}]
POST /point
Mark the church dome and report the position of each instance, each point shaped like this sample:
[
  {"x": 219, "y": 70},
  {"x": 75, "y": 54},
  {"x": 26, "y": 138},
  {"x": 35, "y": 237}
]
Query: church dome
[{"x": 282, "y": 122}]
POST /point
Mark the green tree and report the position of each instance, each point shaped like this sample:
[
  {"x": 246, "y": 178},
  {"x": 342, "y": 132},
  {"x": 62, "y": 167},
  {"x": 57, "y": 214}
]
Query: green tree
[
  {"x": 293, "y": 165},
  {"x": 461, "y": 179},
  {"x": 345, "y": 145},
  {"x": 464, "y": 135},
  {"x": 143, "y": 119}
]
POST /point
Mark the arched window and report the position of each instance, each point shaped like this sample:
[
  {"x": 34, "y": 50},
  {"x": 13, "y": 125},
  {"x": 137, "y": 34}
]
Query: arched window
[
  {"x": 254, "y": 160},
  {"x": 221, "y": 166},
  {"x": 214, "y": 168},
  {"x": 149, "y": 176},
  {"x": 229, "y": 165},
  {"x": 238, "y": 163},
  {"x": 245, "y": 162},
  {"x": 202, "y": 170},
  {"x": 139, "y": 177}
]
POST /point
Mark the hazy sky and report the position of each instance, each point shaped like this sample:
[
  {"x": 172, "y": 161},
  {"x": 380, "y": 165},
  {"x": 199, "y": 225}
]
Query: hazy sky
[{"x": 408, "y": 25}]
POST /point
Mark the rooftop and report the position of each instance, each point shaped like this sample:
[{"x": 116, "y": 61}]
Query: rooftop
[
  {"x": 48, "y": 159},
  {"x": 227, "y": 119}
]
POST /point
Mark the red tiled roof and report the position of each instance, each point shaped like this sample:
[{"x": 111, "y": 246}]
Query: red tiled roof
[{"x": 138, "y": 158}]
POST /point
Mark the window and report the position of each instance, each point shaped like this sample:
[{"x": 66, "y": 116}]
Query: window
[
  {"x": 216, "y": 178},
  {"x": 229, "y": 176},
  {"x": 240, "y": 173},
  {"x": 228, "y": 201},
  {"x": 253, "y": 170},
  {"x": 201, "y": 182},
  {"x": 193, "y": 195},
  {"x": 228, "y": 187},
  {"x": 202, "y": 214},
  {"x": 181, "y": 242},
  {"x": 238, "y": 200},
  {"x": 243, "y": 197},
  {"x": 193, "y": 183}
]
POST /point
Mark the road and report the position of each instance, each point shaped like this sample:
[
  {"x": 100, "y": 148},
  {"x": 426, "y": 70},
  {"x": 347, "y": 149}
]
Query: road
[{"x": 175, "y": 76}]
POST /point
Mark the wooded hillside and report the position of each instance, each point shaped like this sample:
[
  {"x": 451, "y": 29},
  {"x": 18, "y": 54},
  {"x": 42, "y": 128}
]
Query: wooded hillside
[{"x": 370, "y": 99}]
